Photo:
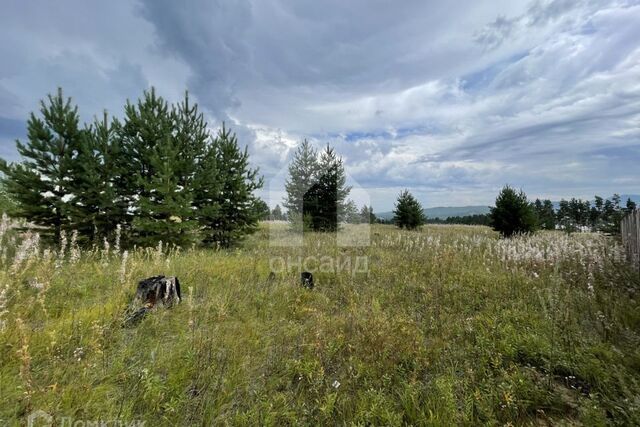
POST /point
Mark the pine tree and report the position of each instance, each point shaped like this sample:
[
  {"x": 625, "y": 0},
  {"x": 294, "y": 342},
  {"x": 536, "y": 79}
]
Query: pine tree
[
  {"x": 165, "y": 206},
  {"x": 237, "y": 215},
  {"x": 155, "y": 143},
  {"x": 42, "y": 185},
  {"x": 351, "y": 214},
  {"x": 207, "y": 188},
  {"x": 512, "y": 213},
  {"x": 262, "y": 209},
  {"x": 366, "y": 215},
  {"x": 545, "y": 214},
  {"x": 408, "y": 212},
  {"x": 7, "y": 204},
  {"x": 303, "y": 172},
  {"x": 325, "y": 202},
  {"x": 99, "y": 206},
  {"x": 276, "y": 214},
  {"x": 630, "y": 205},
  {"x": 372, "y": 216},
  {"x": 191, "y": 140}
]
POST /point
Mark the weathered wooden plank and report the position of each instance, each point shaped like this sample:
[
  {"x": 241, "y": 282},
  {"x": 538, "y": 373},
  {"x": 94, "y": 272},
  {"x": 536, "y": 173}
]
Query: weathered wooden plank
[{"x": 630, "y": 230}]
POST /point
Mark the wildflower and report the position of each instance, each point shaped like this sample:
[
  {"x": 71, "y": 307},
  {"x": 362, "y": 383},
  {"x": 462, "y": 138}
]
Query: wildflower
[
  {"x": 78, "y": 353},
  {"x": 336, "y": 384},
  {"x": 74, "y": 250},
  {"x": 123, "y": 266},
  {"x": 117, "y": 242},
  {"x": 106, "y": 248},
  {"x": 63, "y": 248},
  {"x": 3, "y": 308},
  {"x": 29, "y": 248}
]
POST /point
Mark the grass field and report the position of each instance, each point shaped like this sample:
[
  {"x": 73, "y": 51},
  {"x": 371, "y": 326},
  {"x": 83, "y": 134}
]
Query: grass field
[{"x": 450, "y": 325}]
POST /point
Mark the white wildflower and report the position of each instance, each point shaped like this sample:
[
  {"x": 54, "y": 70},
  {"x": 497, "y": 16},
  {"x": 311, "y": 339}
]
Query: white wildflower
[{"x": 123, "y": 266}]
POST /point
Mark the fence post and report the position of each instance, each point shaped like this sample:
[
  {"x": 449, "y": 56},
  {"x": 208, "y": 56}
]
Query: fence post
[{"x": 630, "y": 230}]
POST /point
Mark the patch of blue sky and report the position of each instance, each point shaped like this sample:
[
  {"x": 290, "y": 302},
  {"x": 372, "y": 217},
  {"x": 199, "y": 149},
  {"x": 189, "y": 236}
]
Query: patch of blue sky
[{"x": 483, "y": 78}]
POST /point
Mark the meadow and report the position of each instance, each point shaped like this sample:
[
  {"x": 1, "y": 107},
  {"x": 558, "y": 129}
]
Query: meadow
[{"x": 449, "y": 325}]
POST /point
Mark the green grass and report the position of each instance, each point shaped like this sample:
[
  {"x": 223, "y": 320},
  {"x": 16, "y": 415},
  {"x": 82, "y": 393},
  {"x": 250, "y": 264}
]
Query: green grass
[{"x": 450, "y": 325}]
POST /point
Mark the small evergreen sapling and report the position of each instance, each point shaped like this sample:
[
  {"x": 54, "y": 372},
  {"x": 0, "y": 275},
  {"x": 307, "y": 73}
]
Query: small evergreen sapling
[{"x": 408, "y": 212}]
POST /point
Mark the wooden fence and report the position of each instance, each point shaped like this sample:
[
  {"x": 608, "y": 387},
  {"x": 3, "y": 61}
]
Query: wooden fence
[{"x": 630, "y": 229}]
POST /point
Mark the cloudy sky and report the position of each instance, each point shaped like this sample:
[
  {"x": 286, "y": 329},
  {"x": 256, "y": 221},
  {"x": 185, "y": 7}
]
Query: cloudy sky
[{"x": 450, "y": 100}]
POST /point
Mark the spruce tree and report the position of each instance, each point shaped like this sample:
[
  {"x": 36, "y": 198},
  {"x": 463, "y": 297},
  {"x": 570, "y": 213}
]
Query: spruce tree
[
  {"x": 512, "y": 213},
  {"x": 302, "y": 176},
  {"x": 43, "y": 185},
  {"x": 408, "y": 212}
]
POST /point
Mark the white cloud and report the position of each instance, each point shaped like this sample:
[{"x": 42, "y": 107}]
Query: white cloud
[{"x": 451, "y": 102}]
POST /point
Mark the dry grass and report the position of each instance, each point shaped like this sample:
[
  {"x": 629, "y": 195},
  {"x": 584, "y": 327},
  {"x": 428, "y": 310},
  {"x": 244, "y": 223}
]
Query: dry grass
[{"x": 449, "y": 326}]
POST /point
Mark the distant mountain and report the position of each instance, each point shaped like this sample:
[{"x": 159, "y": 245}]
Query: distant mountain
[{"x": 445, "y": 212}]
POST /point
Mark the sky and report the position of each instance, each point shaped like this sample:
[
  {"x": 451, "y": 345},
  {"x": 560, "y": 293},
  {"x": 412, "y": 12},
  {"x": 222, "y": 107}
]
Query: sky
[{"x": 449, "y": 100}]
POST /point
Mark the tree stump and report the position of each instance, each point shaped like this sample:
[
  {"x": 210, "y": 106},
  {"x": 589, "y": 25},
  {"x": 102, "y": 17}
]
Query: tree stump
[
  {"x": 151, "y": 292},
  {"x": 306, "y": 280}
]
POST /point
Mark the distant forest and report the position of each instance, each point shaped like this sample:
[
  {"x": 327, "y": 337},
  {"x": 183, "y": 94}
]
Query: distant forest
[{"x": 571, "y": 215}]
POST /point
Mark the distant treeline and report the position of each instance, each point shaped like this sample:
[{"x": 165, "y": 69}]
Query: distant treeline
[
  {"x": 571, "y": 215},
  {"x": 601, "y": 215},
  {"x": 478, "y": 219}
]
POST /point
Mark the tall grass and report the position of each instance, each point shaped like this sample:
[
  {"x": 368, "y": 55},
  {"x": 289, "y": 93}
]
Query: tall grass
[{"x": 450, "y": 325}]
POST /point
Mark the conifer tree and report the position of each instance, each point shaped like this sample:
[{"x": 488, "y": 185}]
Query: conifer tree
[
  {"x": 262, "y": 209},
  {"x": 42, "y": 185},
  {"x": 99, "y": 206},
  {"x": 207, "y": 188},
  {"x": 303, "y": 171},
  {"x": 366, "y": 214},
  {"x": 153, "y": 145},
  {"x": 191, "y": 140},
  {"x": 545, "y": 214},
  {"x": 237, "y": 215},
  {"x": 325, "y": 202},
  {"x": 512, "y": 213},
  {"x": 351, "y": 214},
  {"x": 630, "y": 205},
  {"x": 276, "y": 214},
  {"x": 408, "y": 212}
]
